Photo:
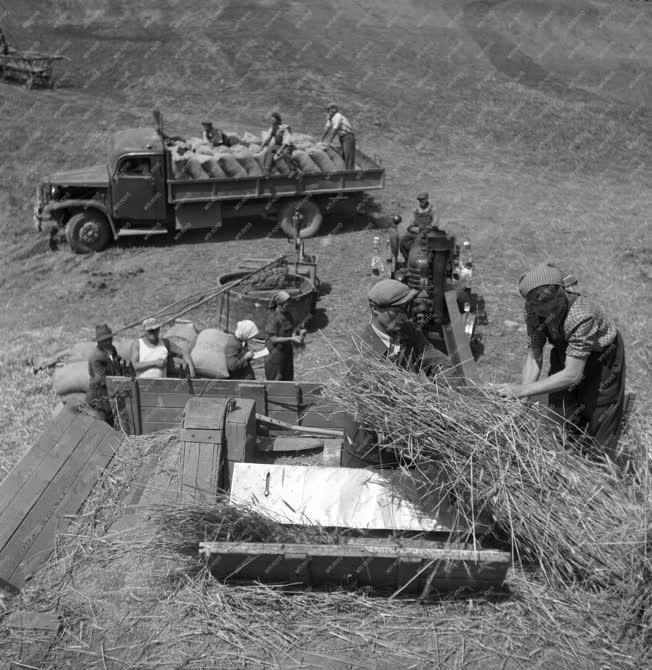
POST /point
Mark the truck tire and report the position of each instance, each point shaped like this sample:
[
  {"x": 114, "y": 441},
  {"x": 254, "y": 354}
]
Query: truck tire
[
  {"x": 312, "y": 218},
  {"x": 88, "y": 231}
]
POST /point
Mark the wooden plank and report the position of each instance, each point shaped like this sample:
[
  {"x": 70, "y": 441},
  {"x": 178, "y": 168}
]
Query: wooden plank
[
  {"x": 281, "y": 388},
  {"x": 255, "y": 392},
  {"x": 370, "y": 565},
  {"x": 177, "y": 400},
  {"x": 71, "y": 504},
  {"x": 171, "y": 415},
  {"x": 155, "y": 426},
  {"x": 222, "y": 387},
  {"x": 31, "y": 461},
  {"x": 27, "y": 496},
  {"x": 284, "y": 415},
  {"x": 320, "y": 417},
  {"x": 457, "y": 341},
  {"x": 205, "y": 413},
  {"x": 394, "y": 551},
  {"x": 50, "y": 497},
  {"x": 200, "y": 435}
]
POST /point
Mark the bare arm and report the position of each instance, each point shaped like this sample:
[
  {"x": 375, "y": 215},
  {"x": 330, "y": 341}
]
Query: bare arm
[
  {"x": 176, "y": 350},
  {"x": 531, "y": 367},
  {"x": 571, "y": 375}
]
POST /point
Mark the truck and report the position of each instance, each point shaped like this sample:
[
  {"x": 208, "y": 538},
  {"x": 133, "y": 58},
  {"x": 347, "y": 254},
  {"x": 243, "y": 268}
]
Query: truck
[{"x": 134, "y": 192}]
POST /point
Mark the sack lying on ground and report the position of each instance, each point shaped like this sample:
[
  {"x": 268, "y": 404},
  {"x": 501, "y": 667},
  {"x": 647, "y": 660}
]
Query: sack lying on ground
[
  {"x": 183, "y": 333},
  {"x": 303, "y": 160},
  {"x": 321, "y": 159},
  {"x": 71, "y": 378},
  {"x": 208, "y": 354}
]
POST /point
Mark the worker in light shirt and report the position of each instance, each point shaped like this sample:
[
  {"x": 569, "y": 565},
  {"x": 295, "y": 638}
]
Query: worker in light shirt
[{"x": 338, "y": 124}]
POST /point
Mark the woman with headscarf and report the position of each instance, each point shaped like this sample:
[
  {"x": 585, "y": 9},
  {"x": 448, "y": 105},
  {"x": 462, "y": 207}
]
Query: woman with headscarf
[
  {"x": 282, "y": 333},
  {"x": 586, "y": 382},
  {"x": 238, "y": 356}
]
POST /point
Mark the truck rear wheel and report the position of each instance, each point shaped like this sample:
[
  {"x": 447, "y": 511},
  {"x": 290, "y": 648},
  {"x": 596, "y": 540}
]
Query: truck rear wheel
[
  {"x": 88, "y": 231},
  {"x": 312, "y": 218}
]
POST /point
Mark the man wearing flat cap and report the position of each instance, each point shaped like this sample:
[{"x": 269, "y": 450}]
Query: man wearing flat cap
[
  {"x": 586, "y": 381},
  {"x": 102, "y": 362},
  {"x": 391, "y": 334},
  {"x": 150, "y": 354},
  {"x": 338, "y": 124}
]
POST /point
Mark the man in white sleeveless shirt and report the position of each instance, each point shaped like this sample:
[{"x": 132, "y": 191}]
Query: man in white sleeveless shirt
[{"x": 149, "y": 354}]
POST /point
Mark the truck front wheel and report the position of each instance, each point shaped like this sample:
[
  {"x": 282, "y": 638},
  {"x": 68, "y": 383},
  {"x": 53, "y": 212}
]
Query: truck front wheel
[
  {"x": 88, "y": 231},
  {"x": 311, "y": 222}
]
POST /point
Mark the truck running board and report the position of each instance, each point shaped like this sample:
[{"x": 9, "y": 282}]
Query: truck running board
[{"x": 133, "y": 232}]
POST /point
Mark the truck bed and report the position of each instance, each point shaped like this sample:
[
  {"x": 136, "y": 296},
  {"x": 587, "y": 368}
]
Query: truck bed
[{"x": 370, "y": 176}]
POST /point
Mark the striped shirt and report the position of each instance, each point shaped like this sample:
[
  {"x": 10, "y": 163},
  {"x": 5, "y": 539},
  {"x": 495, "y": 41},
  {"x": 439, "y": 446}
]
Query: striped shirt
[
  {"x": 584, "y": 329},
  {"x": 339, "y": 123}
]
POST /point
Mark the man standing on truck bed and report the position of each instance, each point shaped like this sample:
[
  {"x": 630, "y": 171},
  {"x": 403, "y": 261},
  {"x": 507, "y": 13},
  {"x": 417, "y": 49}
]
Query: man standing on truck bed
[
  {"x": 279, "y": 140},
  {"x": 339, "y": 125},
  {"x": 423, "y": 220}
]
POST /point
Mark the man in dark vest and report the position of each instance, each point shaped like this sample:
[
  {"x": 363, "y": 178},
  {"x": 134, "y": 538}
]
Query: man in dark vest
[{"x": 103, "y": 362}]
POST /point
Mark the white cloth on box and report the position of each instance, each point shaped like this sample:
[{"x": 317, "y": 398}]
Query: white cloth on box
[
  {"x": 245, "y": 330},
  {"x": 148, "y": 352}
]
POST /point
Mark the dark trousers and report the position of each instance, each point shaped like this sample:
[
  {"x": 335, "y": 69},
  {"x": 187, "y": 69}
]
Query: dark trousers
[
  {"x": 279, "y": 363},
  {"x": 595, "y": 405},
  {"x": 98, "y": 399},
  {"x": 347, "y": 142}
]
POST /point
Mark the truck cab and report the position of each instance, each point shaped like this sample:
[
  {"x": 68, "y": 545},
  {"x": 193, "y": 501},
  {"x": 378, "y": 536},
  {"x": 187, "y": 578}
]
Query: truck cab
[{"x": 94, "y": 204}]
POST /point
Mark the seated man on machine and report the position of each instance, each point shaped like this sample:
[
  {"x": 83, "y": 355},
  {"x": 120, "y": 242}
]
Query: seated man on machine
[{"x": 423, "y": 220}]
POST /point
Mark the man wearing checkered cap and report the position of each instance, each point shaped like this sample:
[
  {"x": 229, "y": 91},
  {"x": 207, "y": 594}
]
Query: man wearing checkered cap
[{"x": 586, "y": 381}]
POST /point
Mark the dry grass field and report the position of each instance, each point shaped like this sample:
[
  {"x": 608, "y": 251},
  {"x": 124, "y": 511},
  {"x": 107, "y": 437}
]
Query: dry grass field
[{"x": 527, "y": 120}]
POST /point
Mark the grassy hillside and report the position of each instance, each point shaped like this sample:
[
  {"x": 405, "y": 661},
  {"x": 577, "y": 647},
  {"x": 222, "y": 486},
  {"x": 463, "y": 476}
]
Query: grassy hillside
[{"x": 527, "y": 121}]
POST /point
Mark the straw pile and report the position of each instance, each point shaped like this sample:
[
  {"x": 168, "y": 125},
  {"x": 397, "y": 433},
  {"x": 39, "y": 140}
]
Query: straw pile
[
  {"x": 136, "y": 596},
  {"x": 570, "y": 517}
]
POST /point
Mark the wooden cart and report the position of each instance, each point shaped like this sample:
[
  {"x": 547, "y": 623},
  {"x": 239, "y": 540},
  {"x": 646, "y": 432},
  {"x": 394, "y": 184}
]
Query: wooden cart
[{"x": 32, "y": 69}]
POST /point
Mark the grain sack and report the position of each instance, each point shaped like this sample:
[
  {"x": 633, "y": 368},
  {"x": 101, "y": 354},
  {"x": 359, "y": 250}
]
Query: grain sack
[
  {"x": 229, "y": 163},
  {"x": 303, "y": 160},
  {"x": 259, "y": 157},
  {"x": 211, "y": 166},
  {"x": 195, "y": 142},
  {"x": 233, "y": 138},
  {"x": 208, "y": 354},
  {"x": 74, "y": 399},
  {"x": 249, "y": 138},
  {"x": 71, "y": 378},
  {"x": 204, "y": 149},
  {"x": 321, "y": 159},
  {"x": 183, "y": 333},
  {"x": 302, "y": 138},
  {"x": 221, "y": 149},
  {"x": 248, "y": 162},
  {"x": 180, "y": 166},
  {"x": 195, "y": 169},
  {"x": 81, "y": 351},
  {"x": 254, "y": 148},
  {"x": 338, "y": 161}
]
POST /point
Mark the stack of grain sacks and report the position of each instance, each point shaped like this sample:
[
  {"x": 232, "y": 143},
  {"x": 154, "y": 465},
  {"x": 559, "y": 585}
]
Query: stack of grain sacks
[
  {"x": 197, "y": 159},
  {"x": 71, "y": 380}
]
